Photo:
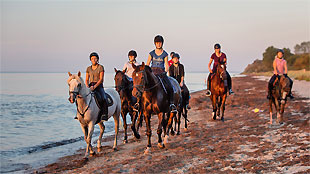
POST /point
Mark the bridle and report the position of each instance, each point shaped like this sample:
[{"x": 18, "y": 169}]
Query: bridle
[
  {"x": 123, "y": 85},
  {"x": 77, "y": 93},
  {"x": 141, "y": 88},
  {"x": 223, "y": 67}
]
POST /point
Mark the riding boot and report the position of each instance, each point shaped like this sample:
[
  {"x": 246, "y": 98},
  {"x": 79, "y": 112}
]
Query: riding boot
[
  {"x": 290, "y": 95},
  {"x": 105, "y": 108},
  {"x": 208, "y": 93}
]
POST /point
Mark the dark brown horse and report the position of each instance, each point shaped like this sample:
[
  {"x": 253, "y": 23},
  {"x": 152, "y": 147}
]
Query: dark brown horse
[
  {"x": 150, "y": 90},
  {"x": 124, "y": 87},
  {"x": 218, "y": 91},
  {"x": 281, "y": 89},
  {"x": 182, "y": 111}
]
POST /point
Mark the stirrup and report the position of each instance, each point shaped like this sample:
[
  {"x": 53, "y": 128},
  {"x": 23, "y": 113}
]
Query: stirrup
[
  {"x": 231, "y": 92},
  {"x": 173, "y": 108},
  {"x": 188, "y": 107},
  {"x": 208, "y": 93}
]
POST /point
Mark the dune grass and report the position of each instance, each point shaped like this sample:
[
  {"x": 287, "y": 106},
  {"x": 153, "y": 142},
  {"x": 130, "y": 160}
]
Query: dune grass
[{"x": 295, "y": 74}]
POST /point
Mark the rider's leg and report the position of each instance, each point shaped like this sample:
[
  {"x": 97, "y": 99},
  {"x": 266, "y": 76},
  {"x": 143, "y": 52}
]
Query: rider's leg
[
  {"x": 270, "y": 85},
  {"x": 291, "y": 86},
  {"x": 229, "y": 83},
  {"x": 104, "y": 108},
  {"x": 170, "y": 92},
  {"x": 186, "y": 92}
]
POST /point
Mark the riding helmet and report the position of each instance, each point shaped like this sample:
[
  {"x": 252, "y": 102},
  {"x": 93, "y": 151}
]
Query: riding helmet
[
  {"x": 176, "y": 55},
  {"x": 159, "y": 38},
  {"x": 132, "y": 53},
  {"x": 93, "y": 54},
  {"x": 172, "y": 53},
  {"x": 280, "y": 50},
  {"x": 217, "y": 46}
]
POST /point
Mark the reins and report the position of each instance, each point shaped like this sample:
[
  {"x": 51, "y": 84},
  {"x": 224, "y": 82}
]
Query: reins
[{"x": 77, "y": 107}]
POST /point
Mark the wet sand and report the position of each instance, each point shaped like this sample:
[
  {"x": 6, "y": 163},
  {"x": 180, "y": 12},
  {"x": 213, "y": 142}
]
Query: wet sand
[{"x": 243, "y": 143}]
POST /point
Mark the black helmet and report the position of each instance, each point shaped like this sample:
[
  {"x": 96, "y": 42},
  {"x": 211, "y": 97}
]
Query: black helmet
[
  {"x": 280, "y": 50},
  {"x": 172, "y": 53},
  {"x": 217, "y": 46},
  {"x": 93, "y": 54},
  {"x": 132, "y": 53},
  {"x": 176, "y": 55},
  {"x": 159, "y": 38}
]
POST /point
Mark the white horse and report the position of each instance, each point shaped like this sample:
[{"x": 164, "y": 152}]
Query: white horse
[{"x": 87, "y": 110}]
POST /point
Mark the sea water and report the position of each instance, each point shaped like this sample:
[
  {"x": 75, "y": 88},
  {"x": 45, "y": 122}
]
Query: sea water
[{"x": 37, "y": 125}]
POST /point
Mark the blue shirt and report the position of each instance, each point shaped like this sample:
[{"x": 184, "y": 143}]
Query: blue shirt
[{"x": 158, "y": 61}]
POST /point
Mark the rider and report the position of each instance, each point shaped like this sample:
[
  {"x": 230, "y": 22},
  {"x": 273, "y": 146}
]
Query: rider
[
  {"x": 94, "y": 81},
  {"x": 218, "y": 57},
  {"x": 279, "y": 68},
  {"x": 128, "y": 65},
  {"x": 176, "y": 70},
  {"x": 159, "y": 59}
]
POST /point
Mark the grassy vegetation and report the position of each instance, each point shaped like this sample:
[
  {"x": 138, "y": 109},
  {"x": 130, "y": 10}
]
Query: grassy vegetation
[{"x": 295, "y": 74}]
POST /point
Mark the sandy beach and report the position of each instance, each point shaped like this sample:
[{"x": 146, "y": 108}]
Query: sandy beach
[{"x": 243, "y": 143}]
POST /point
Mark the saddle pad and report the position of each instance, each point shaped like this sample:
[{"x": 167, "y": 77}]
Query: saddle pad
[{"x": 109, "y": 100}]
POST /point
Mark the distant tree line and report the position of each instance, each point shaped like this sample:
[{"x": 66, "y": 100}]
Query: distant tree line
[{"x": 299, "y": 60}]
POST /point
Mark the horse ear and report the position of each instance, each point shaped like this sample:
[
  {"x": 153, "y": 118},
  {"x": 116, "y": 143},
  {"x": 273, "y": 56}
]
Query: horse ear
[
  {"x": 115, "y": 69},
  {"x": 143, "y": 65},
  {"x": 79, "y": 73},
  {"x": 69, "y": 74},
  {"x": 124, "y": 70}
]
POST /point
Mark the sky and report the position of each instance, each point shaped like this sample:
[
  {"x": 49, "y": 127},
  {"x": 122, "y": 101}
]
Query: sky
[{"x": 58, "y": 36}]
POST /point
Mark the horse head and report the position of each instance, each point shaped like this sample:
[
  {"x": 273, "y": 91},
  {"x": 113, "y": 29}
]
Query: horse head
[
  {"x": 221, "y": 70},
  {"x": 121, "y": 81},
  {"x": 143, "y": 78},
  {"x": 75, "y": 84},
  {"x": 284, "y": 84}
]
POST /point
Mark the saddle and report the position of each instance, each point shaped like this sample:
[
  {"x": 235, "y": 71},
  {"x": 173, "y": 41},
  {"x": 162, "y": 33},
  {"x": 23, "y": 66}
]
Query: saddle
[
  {"x": 99, "y": 99},
  {"x": 161, "y": 77}
]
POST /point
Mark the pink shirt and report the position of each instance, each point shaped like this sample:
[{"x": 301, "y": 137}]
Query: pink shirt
[{"x": 280, "y": 64}]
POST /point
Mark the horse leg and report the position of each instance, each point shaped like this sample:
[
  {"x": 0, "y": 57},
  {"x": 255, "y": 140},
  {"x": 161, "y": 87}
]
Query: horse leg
[
  {"x": 219, "y": 103},
  {"x": 179, "y": 120},
  {"x": 148, "y": 132},
  {"x": 214, "y": 99},
  {"x": 277, "y": 109},
  {"x": 270, "y": 110},
  {"x": 124, "y": 113},
  {"x": 89, "y": 137},
  {"x": 133, "y": 125},
  {"x": 223, "y": 100},
  {"x": 169, "y": 125},
  {"x": 85, "y": 131},
  {"x": 283, "y": 102},
  {"x": 116, "y": 122},
  {"x": 159, "y": 130},
  {"x": 185, "y": 117},
  {"x": 102, "y": 127}
]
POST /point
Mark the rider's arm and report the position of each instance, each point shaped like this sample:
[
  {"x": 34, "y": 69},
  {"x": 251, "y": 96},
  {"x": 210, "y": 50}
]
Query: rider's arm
[
  {"x": 100, "y": 80},
  {"x": 149, "y": 59},
  {"x": 275, "y": 67},
  {"x": 182, "y": 76},
  {"x": 166, "y": 64},
  {"x": 209, "y": 65},
  {"x": 87, "y": 79},
  {"x": 225, "y": 60},
  {"x": 285, "y": 68}
]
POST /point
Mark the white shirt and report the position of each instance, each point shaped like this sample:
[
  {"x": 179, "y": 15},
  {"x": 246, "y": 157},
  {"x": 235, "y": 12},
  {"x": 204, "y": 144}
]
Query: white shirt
[{"x": 130, "y": 69}]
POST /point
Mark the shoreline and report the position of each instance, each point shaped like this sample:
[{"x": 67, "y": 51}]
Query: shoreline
[{"x": 200, "y": 104}]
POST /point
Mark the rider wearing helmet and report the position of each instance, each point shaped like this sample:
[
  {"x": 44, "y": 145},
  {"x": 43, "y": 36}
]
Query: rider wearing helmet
[
  {"x": 159, "y": 60},
  {"x": 279, "y": 68},
  {"x": 128, "y": 65},
  {"x": 218, "y": 57},
  {"x": 176, "y": 70},
  {"x": 94, "y": 81},
  {"x": 170, "y": 62}
]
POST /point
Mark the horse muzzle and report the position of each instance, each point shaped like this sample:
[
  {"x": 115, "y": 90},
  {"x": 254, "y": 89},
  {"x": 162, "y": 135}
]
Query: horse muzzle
[{"x": 71, "y": 98}]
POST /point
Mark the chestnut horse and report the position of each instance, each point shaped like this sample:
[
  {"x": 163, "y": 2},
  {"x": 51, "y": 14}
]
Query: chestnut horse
[
  {"x": 218, "y": 91},
  {"x": 150, "y": 91},
  {"x": 124, "y": 87},
  {"x": 279, "y": 93}
]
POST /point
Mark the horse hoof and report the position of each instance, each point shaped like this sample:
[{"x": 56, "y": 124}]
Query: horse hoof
[
  {"x": 114, "y": 149},
  {"x": 166, "y": 139},
  {"x": 185, "y": 129},
  {"x": 222, "y": 119},
  {"x": 138, "y": 136},
  {"x": 147, "y": 151},
  {"x": 172, "y": 133},
  {"x": 125, "y": 141},
  {"x": 92, "y": 154},
  {"x": 161, "y": 145},
  {"x": 85, "y": 158},
  {"x": 99, "y": 149},
  {"x": 178, "y": 133}
]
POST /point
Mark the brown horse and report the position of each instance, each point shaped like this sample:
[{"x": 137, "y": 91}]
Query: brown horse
[
  {"x": 150, "y": 90},
  {"x": 281, "y": 89},
  {"x": 182, "y": 111},
  {"x": 124, "y": 87},
  {"x": 218, "y": 91}
]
